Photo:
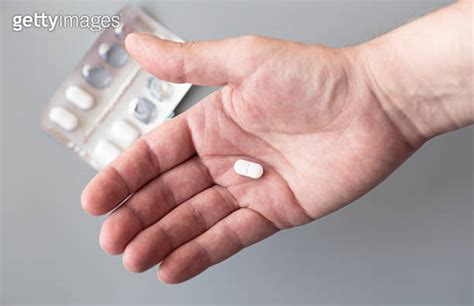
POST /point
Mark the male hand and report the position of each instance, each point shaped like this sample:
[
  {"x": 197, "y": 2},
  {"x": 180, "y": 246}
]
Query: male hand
[{"x": 306, "y": 113}]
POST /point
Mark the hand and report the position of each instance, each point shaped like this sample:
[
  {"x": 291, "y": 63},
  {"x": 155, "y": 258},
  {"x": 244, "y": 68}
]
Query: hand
[
  {"x": 304, "y": 112},
  {"x": 316, "y": 118}
]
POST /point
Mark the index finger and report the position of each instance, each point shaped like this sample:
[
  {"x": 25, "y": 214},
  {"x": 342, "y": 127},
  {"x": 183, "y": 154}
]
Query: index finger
[{"x": 163, "y": 148}]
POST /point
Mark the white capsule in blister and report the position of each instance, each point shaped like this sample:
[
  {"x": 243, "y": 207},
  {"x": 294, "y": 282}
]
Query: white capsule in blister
[
  {"x": 123, "y": 133},
  {"x": 248, "y": 169},
  {"x": 63, "y": 118},
  {"x": 79, "y": 97},
  {"x": 105, "y": 152}
]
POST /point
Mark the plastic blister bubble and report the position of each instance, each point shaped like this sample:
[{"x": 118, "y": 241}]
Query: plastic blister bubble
[{"x": 108, "y": 101}]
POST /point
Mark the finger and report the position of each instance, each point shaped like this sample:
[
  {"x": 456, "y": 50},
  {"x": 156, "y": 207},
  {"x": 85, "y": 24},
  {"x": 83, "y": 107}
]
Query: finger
[
  {"x": 182, "y": 224},
  {"x": 152, "y": 202},
  {"x": 201, "y": 63},
  {"x": 156, "y": 152},
  {"x": 235, "y": 232}
]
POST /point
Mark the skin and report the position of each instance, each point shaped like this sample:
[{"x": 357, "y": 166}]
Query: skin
[{"x": 327, "y": 125}]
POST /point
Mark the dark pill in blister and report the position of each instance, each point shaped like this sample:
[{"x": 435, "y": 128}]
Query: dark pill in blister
[
  {"x": 98, "y": 77},
  {"x": 113, "y": 54},
  {"x": 144, "y": 110}
]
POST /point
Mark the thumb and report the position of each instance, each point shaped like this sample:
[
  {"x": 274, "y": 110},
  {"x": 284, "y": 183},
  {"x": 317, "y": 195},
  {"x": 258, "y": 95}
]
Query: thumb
[{"x": 214, "y": 63}]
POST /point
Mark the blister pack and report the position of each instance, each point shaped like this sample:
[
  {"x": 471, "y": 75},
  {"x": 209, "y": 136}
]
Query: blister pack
[{"x": 108, "y": 101}]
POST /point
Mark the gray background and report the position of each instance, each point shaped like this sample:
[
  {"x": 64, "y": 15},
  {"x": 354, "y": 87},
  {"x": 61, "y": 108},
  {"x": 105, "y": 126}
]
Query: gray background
[{"x": 407, "y": 241}]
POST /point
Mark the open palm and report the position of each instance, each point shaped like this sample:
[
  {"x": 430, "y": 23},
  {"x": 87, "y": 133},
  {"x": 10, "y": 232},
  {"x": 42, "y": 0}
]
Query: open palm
[{"x": 306, "y": 113}]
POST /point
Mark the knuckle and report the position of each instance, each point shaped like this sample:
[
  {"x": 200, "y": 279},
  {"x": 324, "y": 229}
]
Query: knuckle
[
  {"x": 184, "y": 64},
  {"x": 188, "y": 45},
  {"x": 250, "y": 40}
]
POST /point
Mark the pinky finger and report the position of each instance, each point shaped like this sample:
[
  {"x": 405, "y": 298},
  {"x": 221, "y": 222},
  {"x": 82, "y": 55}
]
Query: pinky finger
[{"x": 230, "y": 235}]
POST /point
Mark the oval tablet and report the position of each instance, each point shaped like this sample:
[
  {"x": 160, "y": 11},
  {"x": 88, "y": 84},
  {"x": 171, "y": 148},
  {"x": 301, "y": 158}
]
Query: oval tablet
[
  {"x": 63, "y": 118},
  {"x": 105, "y": 152},
  {"x": 79, "y": 97},
  {"x": 123, "y": 133},
  {"x": 248, "y": 169}
]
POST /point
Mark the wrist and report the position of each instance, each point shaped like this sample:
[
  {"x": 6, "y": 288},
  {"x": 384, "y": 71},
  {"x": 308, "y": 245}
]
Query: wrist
[{"x": 422, "y": 73}]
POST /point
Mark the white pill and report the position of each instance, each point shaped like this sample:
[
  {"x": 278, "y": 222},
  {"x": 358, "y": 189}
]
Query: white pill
[
  {"x": 105, "y": 152},
  {"x": 123, "y": 133},
  {"x": 79, "y": 97},
  {"x": 63, "y": 118},
  {"x": 248, "y": 169}
]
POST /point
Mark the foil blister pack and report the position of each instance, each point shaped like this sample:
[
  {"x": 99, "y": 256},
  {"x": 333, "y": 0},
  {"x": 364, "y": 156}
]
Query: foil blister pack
[{"x": 108, "y": 101}]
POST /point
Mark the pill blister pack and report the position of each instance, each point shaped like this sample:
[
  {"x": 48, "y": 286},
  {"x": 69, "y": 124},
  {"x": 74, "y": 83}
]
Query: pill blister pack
[{"x": 108, "y": 101}]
